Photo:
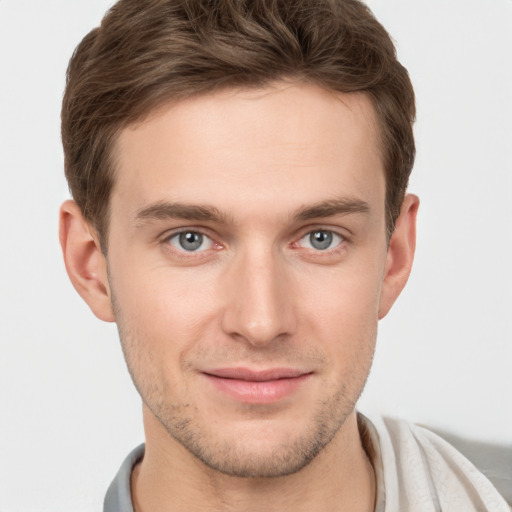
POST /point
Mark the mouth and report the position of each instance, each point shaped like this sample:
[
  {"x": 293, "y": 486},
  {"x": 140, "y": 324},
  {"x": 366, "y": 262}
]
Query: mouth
[{"x": 261, "y": 386}]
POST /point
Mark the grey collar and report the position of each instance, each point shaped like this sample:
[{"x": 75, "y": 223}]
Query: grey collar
[{"x": 119, "y": 497}]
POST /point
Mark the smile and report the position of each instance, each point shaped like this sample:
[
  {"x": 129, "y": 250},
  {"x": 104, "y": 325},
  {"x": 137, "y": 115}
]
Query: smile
[{"x": 257, "y": 387}]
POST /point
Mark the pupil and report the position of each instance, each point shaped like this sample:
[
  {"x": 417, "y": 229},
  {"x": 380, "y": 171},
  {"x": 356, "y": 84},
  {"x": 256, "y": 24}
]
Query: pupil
[
  {"x": 191, "y": 241},
  {"x": 321, "y": 239}
]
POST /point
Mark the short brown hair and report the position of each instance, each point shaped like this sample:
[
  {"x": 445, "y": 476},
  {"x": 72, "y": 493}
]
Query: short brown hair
[{"x": 148, "y": 52}]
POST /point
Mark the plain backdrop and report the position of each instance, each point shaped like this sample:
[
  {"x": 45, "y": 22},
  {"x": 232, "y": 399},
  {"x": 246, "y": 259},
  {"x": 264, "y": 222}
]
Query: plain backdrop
[{"x": 68, "y": 411}]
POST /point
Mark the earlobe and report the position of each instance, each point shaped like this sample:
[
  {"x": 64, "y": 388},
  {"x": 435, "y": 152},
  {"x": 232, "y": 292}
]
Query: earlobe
[
  {"x": 400, "y": 254},
  {"x": 85, "y": 263}
]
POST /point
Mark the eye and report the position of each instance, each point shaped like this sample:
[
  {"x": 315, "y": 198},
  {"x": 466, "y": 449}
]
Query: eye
[
  {"x": 320, "y": 240},
  {"x": 191, "y": 241}
]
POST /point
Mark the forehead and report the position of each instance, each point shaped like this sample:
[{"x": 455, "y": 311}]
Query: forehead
[{"x": 286, "y": 143}]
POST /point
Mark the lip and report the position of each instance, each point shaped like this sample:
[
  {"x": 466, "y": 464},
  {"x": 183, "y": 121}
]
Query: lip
[{"x": 257, "y": 386}]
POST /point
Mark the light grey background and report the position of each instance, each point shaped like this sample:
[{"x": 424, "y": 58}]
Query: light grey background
[{"x": 68, "y": 411}]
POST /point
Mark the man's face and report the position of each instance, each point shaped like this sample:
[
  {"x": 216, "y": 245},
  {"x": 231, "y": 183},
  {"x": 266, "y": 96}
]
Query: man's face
[{"x": 246, "y": 258}]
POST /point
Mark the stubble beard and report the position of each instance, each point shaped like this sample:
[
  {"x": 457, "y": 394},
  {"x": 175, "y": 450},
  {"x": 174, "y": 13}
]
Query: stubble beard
[{"x": 232, "y": 456}]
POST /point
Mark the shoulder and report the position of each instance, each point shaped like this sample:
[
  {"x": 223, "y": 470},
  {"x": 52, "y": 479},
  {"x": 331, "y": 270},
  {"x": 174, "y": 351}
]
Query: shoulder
[{"x": 421, "y": 471}]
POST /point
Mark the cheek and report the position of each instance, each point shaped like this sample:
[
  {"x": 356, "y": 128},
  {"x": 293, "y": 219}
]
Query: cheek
[
  {"x": 342, "y": 298},
  {"x": 163, "y": 310},
  {"x": 161, "y": 321},
  {"x": 340, "y": 312}
]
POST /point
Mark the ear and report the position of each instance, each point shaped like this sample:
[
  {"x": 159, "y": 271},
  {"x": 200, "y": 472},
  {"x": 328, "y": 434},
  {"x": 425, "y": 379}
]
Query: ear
[
  {"x": 400, "y": 254},
  {"x": 85, "y": 263}
]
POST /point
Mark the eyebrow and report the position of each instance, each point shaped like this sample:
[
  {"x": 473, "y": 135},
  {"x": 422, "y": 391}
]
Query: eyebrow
[
  {"x": 331, "y": 208},
  {"x": 166, "y": 210}
]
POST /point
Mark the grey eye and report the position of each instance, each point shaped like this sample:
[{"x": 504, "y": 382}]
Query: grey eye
[
  {"x": 321, "y": 240},
  {"x": 191, "y": 241}
]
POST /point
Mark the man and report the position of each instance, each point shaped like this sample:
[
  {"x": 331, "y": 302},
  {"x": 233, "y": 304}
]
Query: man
[{"x": 239, "y": 174}]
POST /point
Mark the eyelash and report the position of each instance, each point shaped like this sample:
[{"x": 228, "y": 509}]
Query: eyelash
[
  {"x": 183, "y": 253},
  {"x": 332, "y": 236}
]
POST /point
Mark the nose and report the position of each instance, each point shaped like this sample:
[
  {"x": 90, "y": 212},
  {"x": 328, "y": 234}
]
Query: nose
[{"x": 259, "y": 307}]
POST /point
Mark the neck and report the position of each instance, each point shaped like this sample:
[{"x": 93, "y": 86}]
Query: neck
[{"x": 169, "y": 479}]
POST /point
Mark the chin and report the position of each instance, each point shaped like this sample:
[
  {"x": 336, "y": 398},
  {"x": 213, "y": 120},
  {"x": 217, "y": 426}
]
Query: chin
[
  {"x": 260, "y": 448},
  {"x": 257, "y": 460}
]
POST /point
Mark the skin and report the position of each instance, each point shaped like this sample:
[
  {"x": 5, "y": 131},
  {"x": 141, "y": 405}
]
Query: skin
[{"x": 255, "y": 173}]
